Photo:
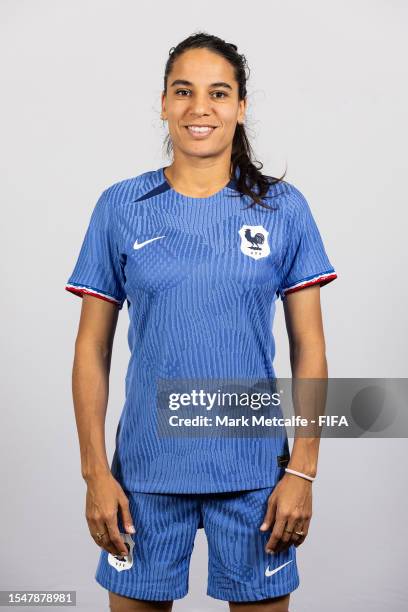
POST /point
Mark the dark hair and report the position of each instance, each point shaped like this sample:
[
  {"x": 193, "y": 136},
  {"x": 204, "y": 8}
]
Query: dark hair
[{"x": 242, "y": 155}]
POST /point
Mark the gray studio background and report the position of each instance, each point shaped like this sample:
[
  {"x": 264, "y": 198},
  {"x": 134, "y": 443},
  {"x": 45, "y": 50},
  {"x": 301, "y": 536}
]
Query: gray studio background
[{"x": 80, "y": 110}]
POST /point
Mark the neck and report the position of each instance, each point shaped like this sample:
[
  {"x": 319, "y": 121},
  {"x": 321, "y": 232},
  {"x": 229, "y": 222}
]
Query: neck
[{"x": 196, "y": 179}]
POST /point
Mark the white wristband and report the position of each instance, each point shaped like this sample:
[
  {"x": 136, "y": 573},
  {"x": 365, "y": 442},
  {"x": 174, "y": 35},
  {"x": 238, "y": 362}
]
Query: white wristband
[{"x": 299, "y": 474}]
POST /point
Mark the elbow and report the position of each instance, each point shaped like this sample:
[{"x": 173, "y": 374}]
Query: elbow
[
  {"x": 308, "y": 358},
  {"x": 85, "y": 347}
]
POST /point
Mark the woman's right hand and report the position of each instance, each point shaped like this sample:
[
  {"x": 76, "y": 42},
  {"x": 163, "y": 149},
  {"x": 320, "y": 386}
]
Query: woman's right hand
[{"x": 104, "y": 498}]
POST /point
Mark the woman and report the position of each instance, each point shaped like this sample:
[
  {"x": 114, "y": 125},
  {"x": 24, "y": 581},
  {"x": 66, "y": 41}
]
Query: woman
[{"x": 200, "y": 256}]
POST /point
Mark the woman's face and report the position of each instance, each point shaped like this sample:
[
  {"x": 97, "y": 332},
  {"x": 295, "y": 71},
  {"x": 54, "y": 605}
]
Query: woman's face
[{"x": 202, "y": 91}]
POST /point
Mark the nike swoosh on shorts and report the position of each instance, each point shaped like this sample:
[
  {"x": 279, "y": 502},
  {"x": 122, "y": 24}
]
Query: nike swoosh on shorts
[{"x": 269, "y": 572}]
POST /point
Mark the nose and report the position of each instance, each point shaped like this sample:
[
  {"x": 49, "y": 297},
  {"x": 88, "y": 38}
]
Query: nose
[{"x": 200, "y": 105}]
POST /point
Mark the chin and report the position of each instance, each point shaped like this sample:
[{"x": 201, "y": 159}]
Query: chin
[{"x": 200, "y": 151}]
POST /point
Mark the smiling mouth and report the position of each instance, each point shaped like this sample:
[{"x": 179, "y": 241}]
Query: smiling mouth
[{"x": 200, "y": 132}]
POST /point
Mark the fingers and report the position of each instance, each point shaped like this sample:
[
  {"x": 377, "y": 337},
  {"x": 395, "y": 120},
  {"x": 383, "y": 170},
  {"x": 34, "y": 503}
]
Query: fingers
[
  {"x": 305, "y": 530},
  {"x": 283, "y": 534},
  {"x": 289, "y": 536},
  {"x": 104, "y": 541},
  {"x": 106, "y": 524},
  {"x": 114, "y": 535},
  {"x": 126, "y": 516},
  {"x": 270, "y": 513},
  {"x": 104, "y": 497},
  {"x": 276, "y": 534},
  {"x": 99, "y": 527}
]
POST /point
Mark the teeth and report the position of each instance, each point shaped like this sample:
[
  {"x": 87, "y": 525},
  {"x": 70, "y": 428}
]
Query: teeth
[{"x": 199, "y": 130}]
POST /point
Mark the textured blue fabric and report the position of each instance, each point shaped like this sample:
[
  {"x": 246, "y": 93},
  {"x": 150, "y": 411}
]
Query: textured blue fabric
[
  {"x": 200, "y": 277},
  {"x": 159, "y": 553}
]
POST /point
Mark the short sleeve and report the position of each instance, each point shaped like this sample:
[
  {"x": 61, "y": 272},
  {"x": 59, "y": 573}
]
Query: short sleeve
[
  {"x": 98, "y": 269},
  {"x": 306, "y": 262}
]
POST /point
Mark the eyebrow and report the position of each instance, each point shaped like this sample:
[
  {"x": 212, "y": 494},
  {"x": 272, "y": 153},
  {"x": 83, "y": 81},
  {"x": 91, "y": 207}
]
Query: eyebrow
[{"x": 184, "y": 82}]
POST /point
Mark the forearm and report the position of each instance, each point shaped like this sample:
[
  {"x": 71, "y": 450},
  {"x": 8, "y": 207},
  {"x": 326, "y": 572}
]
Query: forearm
[
  {"x": 308, "y": 362},
  {"x": 90, "y": 389}
]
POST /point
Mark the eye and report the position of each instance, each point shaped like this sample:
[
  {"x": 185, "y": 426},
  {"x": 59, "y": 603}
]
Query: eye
[{"x": 217, "y": 94}]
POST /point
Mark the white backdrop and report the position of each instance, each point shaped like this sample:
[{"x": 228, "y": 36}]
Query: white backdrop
[{"x": 80, "y": 110}]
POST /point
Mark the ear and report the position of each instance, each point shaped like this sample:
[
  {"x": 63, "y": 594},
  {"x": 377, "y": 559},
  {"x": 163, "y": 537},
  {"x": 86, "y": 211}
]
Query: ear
[
  {"x": 242, "y": 107},
  {"x": 163, "y": 106}
]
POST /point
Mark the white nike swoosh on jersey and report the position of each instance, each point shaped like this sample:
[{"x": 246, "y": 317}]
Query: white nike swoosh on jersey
[
  {"x": 139, "y": 245},
  {"x": 269, "y": 572}
]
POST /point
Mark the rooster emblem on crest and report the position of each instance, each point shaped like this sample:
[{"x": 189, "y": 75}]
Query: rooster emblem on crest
[{"x": 254, "y": 241}]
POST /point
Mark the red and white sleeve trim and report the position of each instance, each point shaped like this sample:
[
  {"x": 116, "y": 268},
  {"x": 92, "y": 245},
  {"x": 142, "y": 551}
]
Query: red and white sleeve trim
[
  {"x": 80, "y": 290},
  {"x": 321, "y": 279}
]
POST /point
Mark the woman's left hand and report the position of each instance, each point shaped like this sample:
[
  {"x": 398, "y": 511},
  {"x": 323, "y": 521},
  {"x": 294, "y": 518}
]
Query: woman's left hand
[{"x": 290, "y": 509}]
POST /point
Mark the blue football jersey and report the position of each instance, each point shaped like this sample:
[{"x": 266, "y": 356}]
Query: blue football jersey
[{"x": 200, "y": 277}]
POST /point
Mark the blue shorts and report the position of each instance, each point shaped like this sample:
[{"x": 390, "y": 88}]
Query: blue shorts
[{"x": 157, "y": 566}]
